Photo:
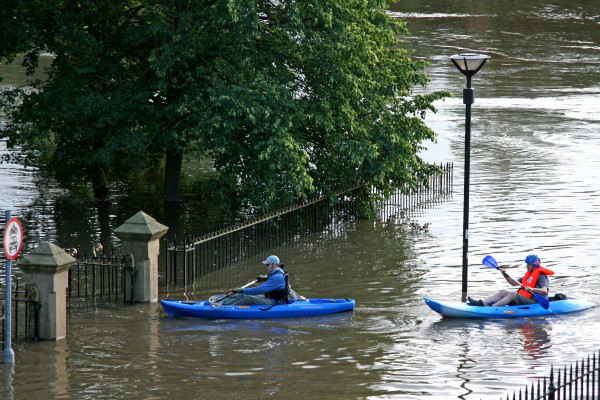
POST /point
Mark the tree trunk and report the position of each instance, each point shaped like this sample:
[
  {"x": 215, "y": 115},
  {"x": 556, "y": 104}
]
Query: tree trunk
[
  {"x": 172, "y": 175},
  {"x": 173, "y": 217},
  {"x": 103, "y": 208},
  {"x": 99, "y": 183}
]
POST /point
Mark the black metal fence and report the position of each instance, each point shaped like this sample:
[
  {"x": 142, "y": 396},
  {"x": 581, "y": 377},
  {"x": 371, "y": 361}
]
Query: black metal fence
[
  {"x": 193, "y": 256},
  {"x": 581, "y": 381},
  {"x": 103, "y": 275},
  {"x": 438, "y": 185},
  {"x": 22, "y": 309}
]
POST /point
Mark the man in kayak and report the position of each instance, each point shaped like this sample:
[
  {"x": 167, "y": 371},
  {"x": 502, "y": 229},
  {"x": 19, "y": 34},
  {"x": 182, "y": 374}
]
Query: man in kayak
[
  {"x": 274, "y": 290},
  {"x": 534, "y": 281}
]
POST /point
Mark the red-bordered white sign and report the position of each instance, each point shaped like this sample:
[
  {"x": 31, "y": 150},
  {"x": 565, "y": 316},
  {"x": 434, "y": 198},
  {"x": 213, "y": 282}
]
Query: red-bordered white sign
[{"x": 13, "y": 238}]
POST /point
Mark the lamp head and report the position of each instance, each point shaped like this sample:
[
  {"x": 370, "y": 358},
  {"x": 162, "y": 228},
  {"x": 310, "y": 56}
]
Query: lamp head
[{"x": 469, "y": 63}]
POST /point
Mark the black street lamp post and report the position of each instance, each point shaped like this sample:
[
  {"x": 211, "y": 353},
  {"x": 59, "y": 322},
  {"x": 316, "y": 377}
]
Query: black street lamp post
[{"x": 469, "y": 64}]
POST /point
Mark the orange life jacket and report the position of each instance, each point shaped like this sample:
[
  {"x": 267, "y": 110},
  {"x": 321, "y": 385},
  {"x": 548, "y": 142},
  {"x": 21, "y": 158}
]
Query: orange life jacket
[{"x": 531, "y": 278}]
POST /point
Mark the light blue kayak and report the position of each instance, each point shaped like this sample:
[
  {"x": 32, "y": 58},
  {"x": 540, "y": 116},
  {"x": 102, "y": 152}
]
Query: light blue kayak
[
  {"x": 466, "y": 310},
  {"x": 300, "y": 308}
]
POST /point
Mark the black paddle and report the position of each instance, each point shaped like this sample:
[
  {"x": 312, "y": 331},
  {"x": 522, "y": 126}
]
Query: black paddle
[
  {"x": 489, "y": 261},
  {"x": 232, "y": 293}
]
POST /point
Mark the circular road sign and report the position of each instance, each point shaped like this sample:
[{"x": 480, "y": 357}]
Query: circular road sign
[{"x": 13, "y": 238}]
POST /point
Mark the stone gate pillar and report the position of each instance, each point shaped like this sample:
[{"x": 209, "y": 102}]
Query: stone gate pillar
[
  {"x": 46, "y": 270},
  {"x": 140, "y": 236}
]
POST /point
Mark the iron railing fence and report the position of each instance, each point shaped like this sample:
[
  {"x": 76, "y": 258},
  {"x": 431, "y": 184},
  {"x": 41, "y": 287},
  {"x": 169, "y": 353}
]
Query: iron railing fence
[
  {"x": 22, "y": 309},
  {"x": 193, "y": 256},
  {"x": 105, "y": 276},
  {"x": 581, "y": 381},
  {"x": 190, "y": 257},
  {"x": 108, "y": 276},
  {"x": 401, "y": 204}
]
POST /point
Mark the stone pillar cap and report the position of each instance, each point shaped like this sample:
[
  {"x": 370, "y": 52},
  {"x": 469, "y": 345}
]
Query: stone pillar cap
[
  {"x": 47, "y": 258},
  {"x": 141, "y": 226}
]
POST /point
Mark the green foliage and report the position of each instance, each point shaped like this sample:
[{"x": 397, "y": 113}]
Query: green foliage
[
  {"x": 89, "y": 112},
  {"x": 290, "y": 99},
  {"x": 13, "y": 29}
]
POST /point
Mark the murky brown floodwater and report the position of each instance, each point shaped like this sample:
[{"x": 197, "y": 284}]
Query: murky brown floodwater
[{"x": 535, "y": 187}]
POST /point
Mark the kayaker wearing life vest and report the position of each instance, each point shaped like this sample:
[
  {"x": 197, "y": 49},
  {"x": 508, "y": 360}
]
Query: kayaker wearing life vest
[
  {"x": 534, "y": 280},
  {"x": 274, "y": 290}
]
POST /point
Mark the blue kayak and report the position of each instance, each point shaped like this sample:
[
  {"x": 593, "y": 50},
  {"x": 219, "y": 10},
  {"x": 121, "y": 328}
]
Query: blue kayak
[
  {"x": 295, "y": 308},
  {"x": 466, "y": 310}
]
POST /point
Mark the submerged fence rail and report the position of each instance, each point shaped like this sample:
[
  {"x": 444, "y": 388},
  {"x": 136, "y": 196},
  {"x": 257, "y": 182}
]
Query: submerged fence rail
[
  {"x": 22, "y": 307},
  {"x": 195, "y": 256},
  {"x": 580, "y": 382},
  {"x": 106, "y": 276},
  {"x": 192, "y": 256}
]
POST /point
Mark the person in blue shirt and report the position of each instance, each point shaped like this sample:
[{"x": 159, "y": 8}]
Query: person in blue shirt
[{"x": 274, "y": 290}]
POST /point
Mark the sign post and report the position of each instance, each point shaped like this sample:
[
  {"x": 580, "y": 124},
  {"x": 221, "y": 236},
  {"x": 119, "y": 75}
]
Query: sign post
[{"x": 13, "y": 242}]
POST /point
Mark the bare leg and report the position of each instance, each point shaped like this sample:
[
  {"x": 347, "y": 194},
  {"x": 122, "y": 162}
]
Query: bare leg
[{"x": 501, "y": 298}]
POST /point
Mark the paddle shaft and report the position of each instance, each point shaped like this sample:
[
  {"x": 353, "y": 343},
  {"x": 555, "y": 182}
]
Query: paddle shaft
[
  {"x": 243, "y": 287},
  {"x": 540, "y": 299},
  {"x": 517, "y": 282},
  {"x": 490, "y": 262}
]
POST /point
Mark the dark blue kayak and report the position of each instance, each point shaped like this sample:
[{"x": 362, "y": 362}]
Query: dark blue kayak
[
  {"x": 466, "y": 310},
  {"x": 300, "y": 308}
]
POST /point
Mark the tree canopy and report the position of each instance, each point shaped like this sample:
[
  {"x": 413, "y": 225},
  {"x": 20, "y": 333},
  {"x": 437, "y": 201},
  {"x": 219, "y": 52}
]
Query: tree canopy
[{"x": 290, "y": 99}]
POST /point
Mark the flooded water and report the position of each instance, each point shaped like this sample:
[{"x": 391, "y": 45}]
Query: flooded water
[{"x": 534, "y": 189}]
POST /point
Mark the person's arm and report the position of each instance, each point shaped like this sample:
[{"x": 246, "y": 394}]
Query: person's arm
[
  {"x": 542, "y": 290},
  {"x": 541, "y": 286},
  {"x": 510, "y": 280},
  {"x": 274, "y": 282}
]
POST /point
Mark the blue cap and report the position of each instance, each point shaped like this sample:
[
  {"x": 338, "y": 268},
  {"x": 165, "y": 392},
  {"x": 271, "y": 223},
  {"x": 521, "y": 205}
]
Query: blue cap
[
  {"x": 531, "y": 259},
  {"x": 271, "y": 260}
]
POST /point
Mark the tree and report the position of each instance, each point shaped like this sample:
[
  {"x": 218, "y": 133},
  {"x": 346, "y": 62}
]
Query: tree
[
  {"x": 13, "y": 29},
  {"x": 86, "y": 118},
  {"x": 289, "y": 98}
]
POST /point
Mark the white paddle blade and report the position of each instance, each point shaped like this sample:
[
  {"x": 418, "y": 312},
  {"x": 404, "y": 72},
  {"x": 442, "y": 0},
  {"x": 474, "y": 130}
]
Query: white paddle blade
[{"x": 490, "y": 262}]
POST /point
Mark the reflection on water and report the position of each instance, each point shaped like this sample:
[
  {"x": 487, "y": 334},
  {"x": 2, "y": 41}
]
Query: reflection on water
[
  {"x": 536, "y": 341},
  {"x": 7, "y": 371},
  {"x": 275, "y": 326},
  {"x": 534, "y": 188}
]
